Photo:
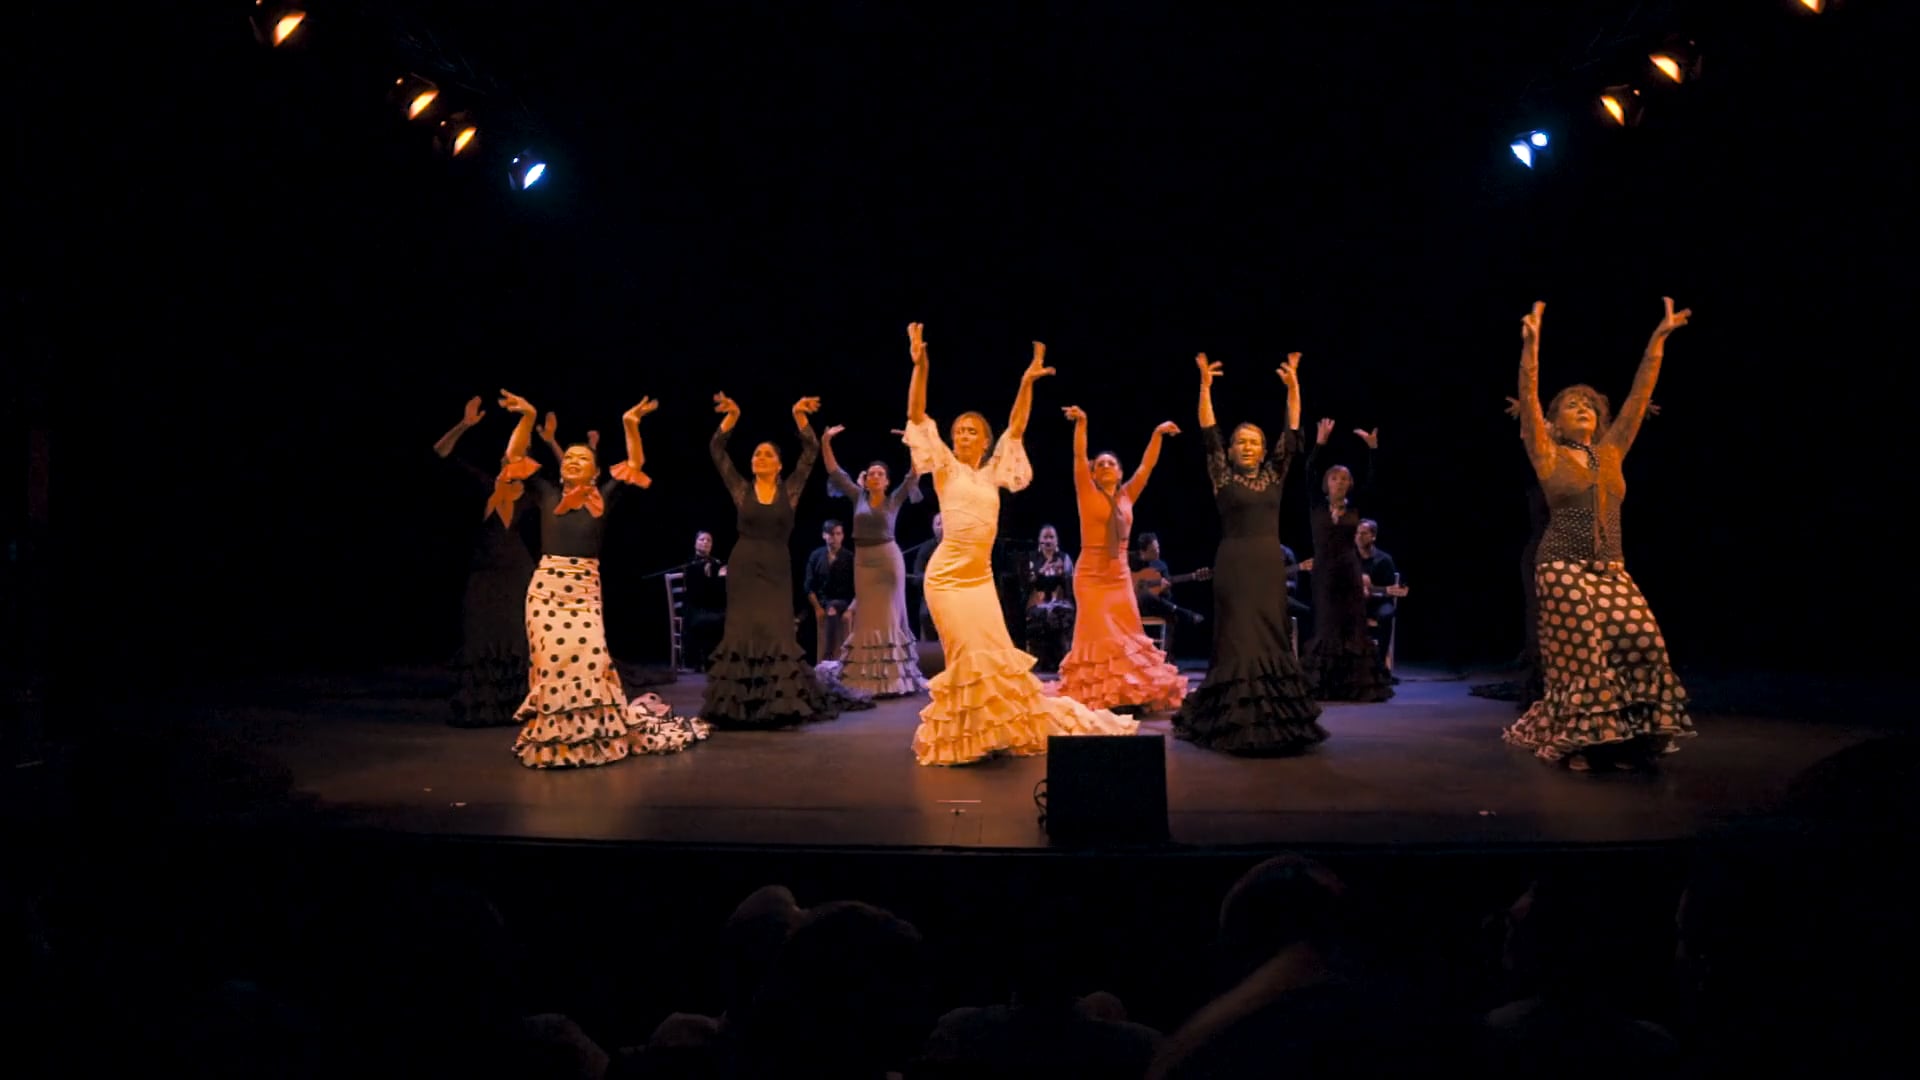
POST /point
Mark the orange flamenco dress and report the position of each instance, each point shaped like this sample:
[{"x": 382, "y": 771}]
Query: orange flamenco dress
[
  {"x": 987, "y": 701},
  {"x": 1112, "y": 662}
]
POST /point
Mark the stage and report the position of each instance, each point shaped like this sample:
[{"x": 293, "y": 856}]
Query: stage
[{"x": 1427, "y": 770}]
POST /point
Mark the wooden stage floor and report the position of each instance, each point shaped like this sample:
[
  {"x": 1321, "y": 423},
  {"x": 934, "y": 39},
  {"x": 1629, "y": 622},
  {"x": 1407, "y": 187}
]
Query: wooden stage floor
[{"x": 1426, "y": 770}]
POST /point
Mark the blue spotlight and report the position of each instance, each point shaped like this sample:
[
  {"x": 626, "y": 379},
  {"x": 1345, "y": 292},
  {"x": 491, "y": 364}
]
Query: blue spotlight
[
  {"x": 526, "y": 171},
  {"x": 1524, "y": 145},
  {"x": 1538, "y": 138}
]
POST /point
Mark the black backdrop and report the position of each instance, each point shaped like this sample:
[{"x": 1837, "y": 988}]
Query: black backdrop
[{"x": 257, "y": 303}]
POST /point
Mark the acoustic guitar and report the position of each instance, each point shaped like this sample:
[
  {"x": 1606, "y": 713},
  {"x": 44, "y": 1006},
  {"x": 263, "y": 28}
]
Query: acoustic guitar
[{"x": 1153, "y": 582}]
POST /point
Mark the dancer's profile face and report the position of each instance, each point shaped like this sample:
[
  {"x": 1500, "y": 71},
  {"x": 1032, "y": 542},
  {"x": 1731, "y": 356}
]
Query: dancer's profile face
[
  {"x": 1106, "y": 471},
  {"x": 577, "y": 465},
  {"x": 1249, "y": 446},
  {"x": 766, "y": 461},
  {"x": 969, "y": 439},
  {"x": 1577, "y": 419}
]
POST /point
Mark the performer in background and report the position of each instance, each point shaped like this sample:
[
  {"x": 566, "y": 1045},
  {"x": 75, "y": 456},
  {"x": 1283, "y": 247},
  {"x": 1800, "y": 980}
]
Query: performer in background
[
  {"x": 987, "y": 700},
  {"x": 576, "y": 711},
  {"x": 922, "y": 555},
  {"x": 1341, "y": 662},
  {"x": 1046, "y": 583},
  {"x": 1153, "y": 583},
  {"x": 829, "y": 588},
  {"x": 1254, "y": 699},
  {"x": 758, "y": 678},
  {"x": 1382, "y": 578},
  {"x": 491, "y": 665},
  {"x": 1610, "y": 689},
  {"x": 705, "y": 612},
  {"x": 879, "y": 658},
  {"x": 1112, "y": 663}
]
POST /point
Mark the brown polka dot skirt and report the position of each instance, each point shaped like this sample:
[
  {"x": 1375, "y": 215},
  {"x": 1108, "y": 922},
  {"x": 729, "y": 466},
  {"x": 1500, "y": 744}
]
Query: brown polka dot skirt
[
  {"x": 576, "y": 712},
  {"x": 1608, "y": 679}
]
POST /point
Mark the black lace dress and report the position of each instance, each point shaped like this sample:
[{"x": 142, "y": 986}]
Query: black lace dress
[
  {"x": 759, "y": 677},
  {"x": 1254, "y": 699}
]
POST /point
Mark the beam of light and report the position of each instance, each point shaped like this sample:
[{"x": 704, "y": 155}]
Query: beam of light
[
  {"x": 534, "y": 172},
  {"x": 1614, "y": 108},
  {"x": 420, "y": 102},
  {"x": 1522, "y": 151},
  {"x": 283, "y": 29},
  {"x": 463, "y": 137},
  {"x": 1813, "y": 5},
  {"x": 1668, "y": 65}
]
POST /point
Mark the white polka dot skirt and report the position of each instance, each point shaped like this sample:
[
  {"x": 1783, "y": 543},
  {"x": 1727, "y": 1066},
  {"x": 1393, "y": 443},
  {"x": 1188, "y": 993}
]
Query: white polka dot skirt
[
  {"x": 1605, "y": 663},
  {"x": 576, "y": 712}
]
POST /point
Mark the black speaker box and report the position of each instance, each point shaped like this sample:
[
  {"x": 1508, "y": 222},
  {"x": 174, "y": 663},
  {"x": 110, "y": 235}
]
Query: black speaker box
[{"x": 1107, "y": 790}]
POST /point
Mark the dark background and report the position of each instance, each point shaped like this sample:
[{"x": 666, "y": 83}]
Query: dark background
[{"x": 252, "y": 297}]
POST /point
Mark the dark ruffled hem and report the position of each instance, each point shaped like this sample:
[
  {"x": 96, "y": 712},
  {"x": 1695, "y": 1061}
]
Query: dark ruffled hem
[
  {"x": 771, "y": 687},
  {"x": 1341, "y": 671},
  {"x": 1252, "y": 709},
  {"x": 491, "y": 685}
]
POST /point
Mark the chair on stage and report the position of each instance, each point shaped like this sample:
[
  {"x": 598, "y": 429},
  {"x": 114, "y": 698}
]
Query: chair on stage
[
  {"x": 1293, "y": 634},
  {"x": 1160, "y": 632},
  {"x": 676, "y": 620}
]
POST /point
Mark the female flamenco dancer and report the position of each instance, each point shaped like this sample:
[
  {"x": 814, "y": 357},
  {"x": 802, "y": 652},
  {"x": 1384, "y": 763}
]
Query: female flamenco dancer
[
  {"x": 1609, "y": 687},
  {"x": 987, "y": 700},
  {"x": 880, "y": 657},
  {"x": 492, "y": 662},
  {"x": 1341, "y": 663},
  {"x": 576, "y": 710},
  {"x": 1254, "y": 699},
  {"x": 1113, "y": 663},
  {"x": 758, "y": 677}
]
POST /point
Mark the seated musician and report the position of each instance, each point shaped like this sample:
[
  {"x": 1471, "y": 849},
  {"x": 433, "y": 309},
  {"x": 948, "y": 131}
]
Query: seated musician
[
  {"x": 1382, "y": 580},
  {"x": 1153, "y": 585}
]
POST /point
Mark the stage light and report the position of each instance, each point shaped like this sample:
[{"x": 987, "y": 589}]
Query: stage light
[
  {"x": 526, "y": 170},
  {"x": 275, "y": 24},
  {"x": 457, "y": 136},
  {"x": 1621, "y": 104},
  {"x": 1677, "y": 60},
  {"x": 415, "y": 95},
  {"x": 1813, "y": 5},
  {"x": 1525, "y": 144}
]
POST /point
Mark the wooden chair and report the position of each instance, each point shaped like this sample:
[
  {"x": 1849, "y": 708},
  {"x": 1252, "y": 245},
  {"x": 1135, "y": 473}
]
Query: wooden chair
[
  {"x": 676, "y": 620},
  {"x": 1160, "y": 632}
]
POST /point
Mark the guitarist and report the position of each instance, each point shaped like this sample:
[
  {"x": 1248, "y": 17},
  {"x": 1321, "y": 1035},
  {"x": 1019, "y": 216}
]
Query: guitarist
[{"x": 1153, "y": 585}]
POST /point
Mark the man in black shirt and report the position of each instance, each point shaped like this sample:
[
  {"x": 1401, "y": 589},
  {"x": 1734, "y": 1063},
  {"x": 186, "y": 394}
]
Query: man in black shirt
[
  {"x": 830, "y": 590},
  {"x": 1155, "y": 590},
  {"x": 703, "y": 609},
  {"x": 1383, "y": 585}
]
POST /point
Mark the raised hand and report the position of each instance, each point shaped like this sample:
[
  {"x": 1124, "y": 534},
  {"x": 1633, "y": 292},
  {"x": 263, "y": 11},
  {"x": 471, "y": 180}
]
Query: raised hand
[
  {"x": 514, "y": 403},
  {"x": 1074, "y": 413},
  {"x": 725, "y": 405},
  {"x": 1530, "y": 323},
  {"x": 633, "y": 415},
  {"x": 1371, "y": 438},
  {"x": 805, "y": 406},
  {"x": 593, "y": 440},
  {"x": 1513, "y": 407},
  {"x": 550, "y": 426},
  {"x": 1672, "y": 320},
  {"x": 916, "y": 343},
  {"x": 1208, "y": 371},
  {"x": 1167, "y": 427},
  {"x": 474, "y": 411},
  {"x": 1037, "y": 368},
  {"x": 1324, "y": 431},
  {"x": 832, "y": 431},
  {"x": 1289, "y": 372}
]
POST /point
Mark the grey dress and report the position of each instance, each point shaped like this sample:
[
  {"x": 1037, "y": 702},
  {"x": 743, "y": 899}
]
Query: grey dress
[{"x": 880, "y": 657}]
